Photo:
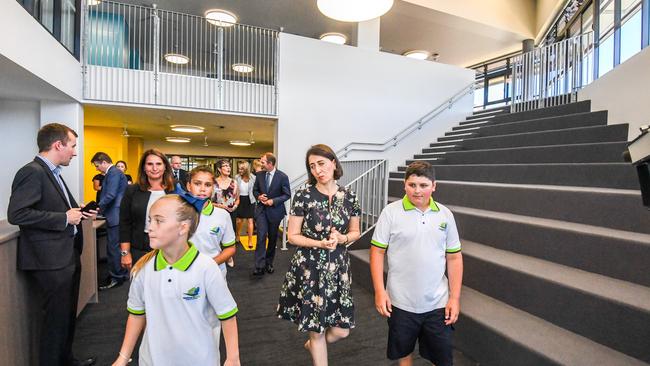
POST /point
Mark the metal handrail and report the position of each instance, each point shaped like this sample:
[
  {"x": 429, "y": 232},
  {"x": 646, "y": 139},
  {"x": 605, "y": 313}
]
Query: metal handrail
[{"x": 401, "y": 135}]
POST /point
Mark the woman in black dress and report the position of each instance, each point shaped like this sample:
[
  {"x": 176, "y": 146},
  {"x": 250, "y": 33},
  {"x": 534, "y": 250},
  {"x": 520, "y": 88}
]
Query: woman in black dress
[{"x": 324, "y": 218}]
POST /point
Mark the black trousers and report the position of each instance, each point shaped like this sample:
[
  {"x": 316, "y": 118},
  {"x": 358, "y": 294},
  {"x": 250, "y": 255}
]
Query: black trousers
[
  {"x": 265, "y": 229},
  {"x": 59, "y": 293}
]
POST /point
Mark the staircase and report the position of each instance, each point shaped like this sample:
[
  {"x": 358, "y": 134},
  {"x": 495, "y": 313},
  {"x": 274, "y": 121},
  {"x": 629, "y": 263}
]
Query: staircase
[{"x": 556, "y": 242}]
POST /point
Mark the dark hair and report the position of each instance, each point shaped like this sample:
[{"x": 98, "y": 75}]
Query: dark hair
[
  {"x": 326, "y": 152},
  {"x": 420, "y": 169},
  {"x": 270, "y": 158},
  {"x": 100, "y": 157},
  {"x": 143, "y": 180},
  {"x": 220, "y": 163},
  {"x": 201, "y": 169},
  {"x": 123, "y": 162},
  {"x": 51, "y": 133}
]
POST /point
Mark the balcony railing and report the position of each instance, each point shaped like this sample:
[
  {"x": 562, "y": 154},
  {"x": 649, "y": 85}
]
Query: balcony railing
[
  {"x": 553, "y": 74},
  {"x": 143, "y": 55}
]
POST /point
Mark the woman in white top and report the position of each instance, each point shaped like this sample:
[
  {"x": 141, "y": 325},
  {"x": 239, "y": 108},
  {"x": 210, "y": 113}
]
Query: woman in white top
[{"x": 246, "y": 210}]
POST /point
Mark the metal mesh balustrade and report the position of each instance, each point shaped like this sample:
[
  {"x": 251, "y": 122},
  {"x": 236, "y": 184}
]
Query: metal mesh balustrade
[{"x": 144, "y": 55}]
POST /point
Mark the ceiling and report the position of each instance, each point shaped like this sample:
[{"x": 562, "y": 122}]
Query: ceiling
[
  {"x": 406, "y": 26},
  {"x": 154, "y": 124}
]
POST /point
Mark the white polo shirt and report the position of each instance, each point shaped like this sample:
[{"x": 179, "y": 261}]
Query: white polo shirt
[
  {"x": 214, "y": 232},
  {"x": 417, "y": 243},
  {"x": 182, "y": 303}
]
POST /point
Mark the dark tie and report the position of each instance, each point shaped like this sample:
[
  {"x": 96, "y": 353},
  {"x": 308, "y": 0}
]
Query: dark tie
[
  {"x": 176, "y": 175},
  {"x": 268, "y": 181}
]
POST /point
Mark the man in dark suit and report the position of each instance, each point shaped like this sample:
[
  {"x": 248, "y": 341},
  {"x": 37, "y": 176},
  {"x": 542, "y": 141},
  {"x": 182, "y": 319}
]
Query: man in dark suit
[
  {"x": 113, "y": 188},
  {"x": 51, "y": 240},
  {"x": 271, "y": 189},
  {"x": 180, "y": 175}
]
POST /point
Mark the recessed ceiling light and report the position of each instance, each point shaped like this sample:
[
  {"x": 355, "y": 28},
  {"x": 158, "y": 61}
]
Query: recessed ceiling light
[
  {"x": 187, "y": 128},
  {"x": 178, "y": 139},
  {"x": 243, "y": 68},
  {"x": 354, "y": 10},
  {"x": 334, "y": 37},
  {"x": 418, "y": 54},
  {"x": 240, "y": 143},
  {"x": 94, "y": 2},
  {"x": 177, "y": 58},
  {"x": 220, "y": 17}
]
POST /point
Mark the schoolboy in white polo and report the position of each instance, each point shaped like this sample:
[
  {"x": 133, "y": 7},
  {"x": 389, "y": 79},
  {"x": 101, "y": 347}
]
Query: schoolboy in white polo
[
  {"x": 420, "y": 238},
  {"x": 215, "y": 236},
  {"x": 181, "y": 299}
]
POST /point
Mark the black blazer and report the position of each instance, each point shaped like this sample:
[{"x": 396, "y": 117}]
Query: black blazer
[
  {"x": 183, "y": 178},
  {"x": 279, "y": 192},
  {"x": 133, "y": 211},
  {"x": 38, "y": 206}
]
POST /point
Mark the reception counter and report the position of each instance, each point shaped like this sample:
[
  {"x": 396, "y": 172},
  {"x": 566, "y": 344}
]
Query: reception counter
[{"x": 18, "y": 303}]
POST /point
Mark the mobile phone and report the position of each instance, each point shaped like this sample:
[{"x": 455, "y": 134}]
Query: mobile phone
[{"x": 92, "y": 205}]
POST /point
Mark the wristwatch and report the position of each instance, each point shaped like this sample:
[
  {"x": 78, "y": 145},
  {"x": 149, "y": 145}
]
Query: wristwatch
[{"x": 124, "y": 253}]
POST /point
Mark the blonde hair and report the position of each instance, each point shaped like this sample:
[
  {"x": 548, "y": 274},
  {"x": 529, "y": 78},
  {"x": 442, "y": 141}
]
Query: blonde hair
[
  {"x": 247, "y": 169},
  {"x": 184, "y": 212},
  {"x": 256, "y": 164}
]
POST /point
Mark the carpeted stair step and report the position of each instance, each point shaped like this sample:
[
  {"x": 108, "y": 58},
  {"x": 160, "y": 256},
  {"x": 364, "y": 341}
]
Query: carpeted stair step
[
  {"x": 610, "y": 312},
  {"x": 608, "y": 208},
  {"x": 578, "y": 135},
  {"x": 457, "y": 138},
  {"x": 603, "y": 152},
  {"x": 486, "y": 325},
  {"x": 462, "y": 131},
  {"x": 470, "y": 126},
  {"x": 604, "y": 175},
  {"x": 614, "y": 253},
  {"x": 561, "y": 110},
  {"x": 441, "y": 148},
  {"x": 545, "y": 124}
]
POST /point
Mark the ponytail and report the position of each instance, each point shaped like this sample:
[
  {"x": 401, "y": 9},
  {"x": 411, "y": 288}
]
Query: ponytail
[{"x": 142, "y": 261}]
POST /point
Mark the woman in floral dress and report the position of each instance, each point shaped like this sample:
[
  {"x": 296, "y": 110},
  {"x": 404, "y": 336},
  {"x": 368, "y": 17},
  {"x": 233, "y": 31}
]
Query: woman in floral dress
[{"x": 324, "y": 218}]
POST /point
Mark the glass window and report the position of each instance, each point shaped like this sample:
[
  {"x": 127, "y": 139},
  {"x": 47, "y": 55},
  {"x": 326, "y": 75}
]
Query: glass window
[
  {"x": 47, "y": 14},
  {"x": 628, "y": 7},
  {"x": 631, "y": 36},
  {"x": 67, "y": 24},
  {"x": 606, "y": 18},
  {"x": 495, "y": 89},
  {"x": 588, "y": 19},
  {"x": 478, "y": 96},
  {"x": 606, "y": 55}
]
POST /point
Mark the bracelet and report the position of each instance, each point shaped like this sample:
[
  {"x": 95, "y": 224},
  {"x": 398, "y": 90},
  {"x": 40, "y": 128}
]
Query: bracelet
[{"x": 128, "y": 359}]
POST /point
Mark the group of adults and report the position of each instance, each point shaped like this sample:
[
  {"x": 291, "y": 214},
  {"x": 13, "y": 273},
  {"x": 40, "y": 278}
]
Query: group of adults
[{"x": 316, "y": 293}]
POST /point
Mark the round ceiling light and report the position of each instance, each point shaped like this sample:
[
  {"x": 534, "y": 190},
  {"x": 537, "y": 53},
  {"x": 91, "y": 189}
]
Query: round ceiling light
[
  {"x": 334, "y": 37},
  {"x": 354, "y": 10},
  {"x": 177, "y": 58},
  {"x": 94, "y": 2},
  {"x": 178, "y": 139},
  {"x": 220, "y": 17},
  {"x": 187, "y": 128},
  {"x": 418, "y": 54},
  {"x": 243, "y": 68}
]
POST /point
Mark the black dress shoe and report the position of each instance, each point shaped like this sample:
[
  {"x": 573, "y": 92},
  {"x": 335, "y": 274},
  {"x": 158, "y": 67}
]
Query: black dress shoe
[
  {"x": 112, "y": 283},
  {"x": 258, "y": 272},
  {"x": 85, "y": 362},
  {"x": 269, "y": 268}
]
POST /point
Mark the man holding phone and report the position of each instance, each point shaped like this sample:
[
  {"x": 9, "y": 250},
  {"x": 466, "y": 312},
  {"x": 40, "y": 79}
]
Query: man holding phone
[
  {"x": 113, "y": 188},
  {"x": 51, "y": 241}
]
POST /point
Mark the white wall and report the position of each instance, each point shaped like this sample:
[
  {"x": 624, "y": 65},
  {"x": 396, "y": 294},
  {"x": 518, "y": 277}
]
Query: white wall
[
  {"x": 19, "y": 123},
  {"x": 336, "y": 94},
  {"x": 624, "y": 92},
  {"x": 28, "y": 44}
]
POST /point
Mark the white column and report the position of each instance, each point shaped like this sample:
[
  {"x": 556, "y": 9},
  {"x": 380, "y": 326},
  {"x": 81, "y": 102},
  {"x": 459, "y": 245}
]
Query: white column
[
  {"x": 368, "y": 34},
  {"x": 70, "y": 114}
]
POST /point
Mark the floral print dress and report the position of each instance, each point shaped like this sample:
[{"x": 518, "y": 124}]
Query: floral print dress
[{"x": 316, "y": 291}]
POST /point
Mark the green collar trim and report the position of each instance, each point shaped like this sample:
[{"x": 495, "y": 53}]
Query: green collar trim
[
  {"x": 208, "y": 208},
  {"x": 409, "y": 206},
  {"x": 182, "y": 264}
]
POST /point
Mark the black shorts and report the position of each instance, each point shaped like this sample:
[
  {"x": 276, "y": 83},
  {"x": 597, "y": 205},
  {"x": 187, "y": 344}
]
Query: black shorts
[{"x": 429, "y": 329}]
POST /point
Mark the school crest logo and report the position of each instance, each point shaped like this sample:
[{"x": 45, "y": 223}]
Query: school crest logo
[
  {"x": 443, "y": 226},
  {"x": 192, "y": 294},
  {"x": 215, "y": 230}
]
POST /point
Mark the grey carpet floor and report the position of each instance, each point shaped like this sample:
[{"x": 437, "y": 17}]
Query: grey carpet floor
[{"x": 264, "y": 339}]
